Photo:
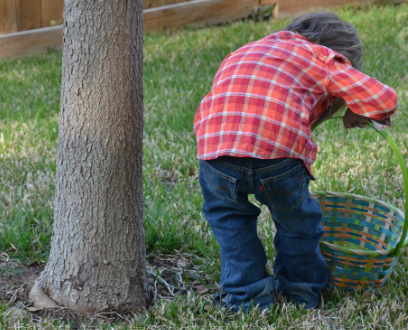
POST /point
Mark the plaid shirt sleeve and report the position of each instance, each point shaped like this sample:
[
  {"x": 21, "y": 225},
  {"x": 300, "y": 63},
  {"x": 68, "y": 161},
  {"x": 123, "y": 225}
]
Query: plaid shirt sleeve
[{"x": 364, "y": 95}]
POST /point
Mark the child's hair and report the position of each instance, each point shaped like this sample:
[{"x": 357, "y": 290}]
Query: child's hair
[{"x": 328, "y": 30}]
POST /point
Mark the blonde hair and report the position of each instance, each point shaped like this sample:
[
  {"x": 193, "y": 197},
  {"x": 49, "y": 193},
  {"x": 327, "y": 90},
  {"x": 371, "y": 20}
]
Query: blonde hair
[{"x": 327, "y": 29}]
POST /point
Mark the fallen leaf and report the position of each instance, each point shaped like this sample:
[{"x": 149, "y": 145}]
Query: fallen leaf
[
  {"x": 163, "y": 293},
  {"x": 202, "y": 289},
  {"x": 34, "y": 309}
]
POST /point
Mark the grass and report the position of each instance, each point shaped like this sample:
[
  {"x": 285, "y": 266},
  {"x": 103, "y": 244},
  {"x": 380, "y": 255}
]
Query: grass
[{"x": 178, "y": 72}]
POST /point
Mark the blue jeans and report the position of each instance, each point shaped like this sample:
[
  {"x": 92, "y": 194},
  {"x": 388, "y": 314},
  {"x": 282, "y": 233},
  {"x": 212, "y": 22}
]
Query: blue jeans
[{"x": 283, "y": 185}]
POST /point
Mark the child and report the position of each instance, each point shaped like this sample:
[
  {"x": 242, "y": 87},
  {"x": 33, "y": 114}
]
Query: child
[{"x": 253, "y": 135}]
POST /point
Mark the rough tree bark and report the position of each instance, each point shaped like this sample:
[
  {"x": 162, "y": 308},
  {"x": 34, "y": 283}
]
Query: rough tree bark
[{"x": 97, "y": 257}]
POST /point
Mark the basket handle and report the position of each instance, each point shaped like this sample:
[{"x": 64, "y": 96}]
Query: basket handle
[{"x": 401, "y": 162}]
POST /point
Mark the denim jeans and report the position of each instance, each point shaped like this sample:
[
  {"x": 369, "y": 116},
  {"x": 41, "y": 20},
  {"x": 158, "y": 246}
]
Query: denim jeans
[{"x": 283, "y": 185}]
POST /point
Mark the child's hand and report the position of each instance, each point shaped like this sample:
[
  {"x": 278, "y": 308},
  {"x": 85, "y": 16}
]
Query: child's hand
[{"x": 351, "y": 120}]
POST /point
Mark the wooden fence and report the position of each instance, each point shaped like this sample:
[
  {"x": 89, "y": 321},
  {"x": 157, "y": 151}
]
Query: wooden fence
[
  {"x": 27, "y": 26},
  {"x": 22, "y": 15}
]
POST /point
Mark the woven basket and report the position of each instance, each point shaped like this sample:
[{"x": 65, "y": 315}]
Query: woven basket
[{"x": 363, "y": 236}]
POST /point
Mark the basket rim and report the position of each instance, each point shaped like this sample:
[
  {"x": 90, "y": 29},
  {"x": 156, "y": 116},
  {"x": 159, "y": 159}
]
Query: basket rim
[
  {"x": 359, "y": 252},
  {"x": 317, "y": 194},
  {"x": 320, "y": 193}
]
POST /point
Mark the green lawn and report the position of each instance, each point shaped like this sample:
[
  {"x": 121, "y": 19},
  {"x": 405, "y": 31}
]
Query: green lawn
[{"x": 178, "y": 72}]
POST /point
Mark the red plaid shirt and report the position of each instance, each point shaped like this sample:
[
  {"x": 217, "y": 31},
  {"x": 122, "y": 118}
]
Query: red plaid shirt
[{"x": 267, "y": 95}]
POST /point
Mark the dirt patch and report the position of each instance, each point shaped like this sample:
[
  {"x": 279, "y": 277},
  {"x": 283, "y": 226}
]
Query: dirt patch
[
  {"x": 169, "y": 275},
  {"x": 16, "y": 280}
]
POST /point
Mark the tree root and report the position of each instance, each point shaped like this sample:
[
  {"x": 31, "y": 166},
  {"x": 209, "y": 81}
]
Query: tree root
[{"x": 40, "y": 298}]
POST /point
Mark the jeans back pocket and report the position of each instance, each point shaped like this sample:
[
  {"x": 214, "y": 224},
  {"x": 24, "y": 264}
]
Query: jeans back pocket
[
  {"x": 286, "y": 191},
  {"x": 221, "y": 184}
]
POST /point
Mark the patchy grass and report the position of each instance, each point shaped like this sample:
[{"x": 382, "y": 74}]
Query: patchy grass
[{"x": 178, "y": 72}]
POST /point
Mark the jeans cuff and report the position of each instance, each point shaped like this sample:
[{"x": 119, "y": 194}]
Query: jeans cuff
[
  {"x": 301, "y": 294},
  {"x": 258, "y": 294}
]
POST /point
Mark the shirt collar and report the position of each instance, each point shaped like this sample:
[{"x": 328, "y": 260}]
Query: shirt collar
[{"x": 287, "y": 35}]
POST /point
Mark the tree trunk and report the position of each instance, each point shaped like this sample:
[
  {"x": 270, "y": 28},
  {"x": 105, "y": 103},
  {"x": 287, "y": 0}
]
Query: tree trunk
[{"x": 97, "y": 257}]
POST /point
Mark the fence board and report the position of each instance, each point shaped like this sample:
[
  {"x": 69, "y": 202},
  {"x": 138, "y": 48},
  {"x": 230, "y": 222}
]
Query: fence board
[
  {"x": 28, "y": 14},
  {"x": 294, "y": 7},
  {"x": 8, "y": 16},
  {"x": 268, "y": 2},
  {"x": 30, "y": 42},
  {"x": 51, "y": 10},
  {"x": 158, "y": 3},
  {"x": 197, "y": 13}
]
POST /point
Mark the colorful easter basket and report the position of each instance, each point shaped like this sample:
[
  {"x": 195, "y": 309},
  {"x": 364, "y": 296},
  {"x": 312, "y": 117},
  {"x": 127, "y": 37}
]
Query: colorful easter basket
[{"x": 363, "y": 236}]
